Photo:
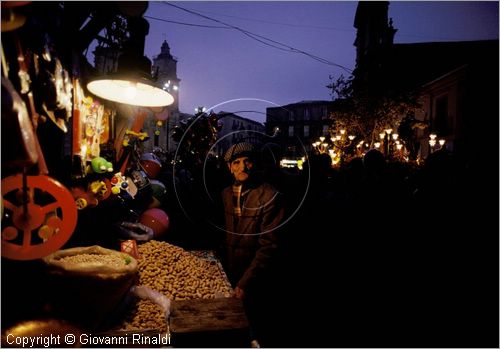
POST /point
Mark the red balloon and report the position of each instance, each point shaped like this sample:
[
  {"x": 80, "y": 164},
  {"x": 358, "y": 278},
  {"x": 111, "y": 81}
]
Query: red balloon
[
  {"x": 156, "y": 219},
  {"x": 163, "y": 115},
  {"x": 151, "y": 164}
]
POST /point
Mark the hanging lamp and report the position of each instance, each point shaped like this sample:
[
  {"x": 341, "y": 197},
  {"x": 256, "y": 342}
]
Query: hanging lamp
[{"x": 132, "y": 83}]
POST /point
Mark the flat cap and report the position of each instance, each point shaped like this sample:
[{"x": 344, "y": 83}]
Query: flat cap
[{"x": 239, "y": 150}]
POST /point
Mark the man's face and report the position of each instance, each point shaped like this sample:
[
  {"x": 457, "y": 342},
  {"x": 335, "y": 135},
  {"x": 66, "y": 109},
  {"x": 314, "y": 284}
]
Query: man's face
[{"x": 240, "y": 168}]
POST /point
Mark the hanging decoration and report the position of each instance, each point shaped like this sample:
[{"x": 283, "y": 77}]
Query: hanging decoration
[
  {"x": 159, "y": 125},
  {"x": 195, "y": 136},
  {"x": 93, "y": 128}
]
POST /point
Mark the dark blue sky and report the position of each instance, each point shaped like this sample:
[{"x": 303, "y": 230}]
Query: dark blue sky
[{"x": 217, "y": 65}]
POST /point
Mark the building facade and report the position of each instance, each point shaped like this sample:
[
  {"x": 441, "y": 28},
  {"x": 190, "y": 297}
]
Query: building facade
[
  {"x": 296, "y": 126},
  {"x": 457, "y": 82},
  {"x": 106, "y": 59},
  {"x": 237, "y": 129}
]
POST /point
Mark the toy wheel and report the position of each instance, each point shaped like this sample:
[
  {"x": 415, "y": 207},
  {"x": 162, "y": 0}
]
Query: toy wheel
[{"x": 48, "y": 224}]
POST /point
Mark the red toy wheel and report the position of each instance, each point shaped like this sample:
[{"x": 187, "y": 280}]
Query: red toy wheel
[{"x": 49, "y": 223}]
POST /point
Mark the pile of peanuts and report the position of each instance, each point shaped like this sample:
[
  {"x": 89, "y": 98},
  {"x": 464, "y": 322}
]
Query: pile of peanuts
[
  {"x": 144, "y": 315},
  {"x": 177, "y": 274}
]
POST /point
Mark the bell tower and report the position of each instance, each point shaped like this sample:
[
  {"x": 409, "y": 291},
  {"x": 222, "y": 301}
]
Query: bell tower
[
  {"x": 165, "y": 68},
  {"x": 374, "y": 37}
]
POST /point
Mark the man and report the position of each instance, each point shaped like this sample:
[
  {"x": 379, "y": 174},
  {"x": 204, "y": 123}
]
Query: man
[{"x": 252, "y": 214}]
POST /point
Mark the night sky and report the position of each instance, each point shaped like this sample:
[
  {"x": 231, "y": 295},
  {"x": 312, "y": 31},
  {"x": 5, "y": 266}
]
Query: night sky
[{"x": 217, "y": 64}]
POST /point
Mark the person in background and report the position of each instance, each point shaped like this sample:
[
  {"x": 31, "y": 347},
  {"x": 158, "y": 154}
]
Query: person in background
[{"x": 253, "y": 212}]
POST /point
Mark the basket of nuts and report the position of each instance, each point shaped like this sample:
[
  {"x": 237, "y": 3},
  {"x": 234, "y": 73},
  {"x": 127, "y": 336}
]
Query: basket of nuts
[
  {"x": 87, "y": 283},
  {"x": 177, "y": 274}
]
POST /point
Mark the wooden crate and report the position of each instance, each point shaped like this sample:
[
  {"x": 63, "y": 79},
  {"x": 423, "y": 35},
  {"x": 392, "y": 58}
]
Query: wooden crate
[{"x": 209, "y": 323}]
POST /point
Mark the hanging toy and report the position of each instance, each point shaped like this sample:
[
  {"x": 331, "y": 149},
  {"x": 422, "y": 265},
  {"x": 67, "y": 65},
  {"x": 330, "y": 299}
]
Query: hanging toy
[
  {"x": 101, "y": 189},
  {"x": 101, "y": 165},
  {"x": 119, "y": 183},
  {"x": 84, "y": 198},
  {"x": 159, "y": 124},
  {"x": 129, "y": 135}
]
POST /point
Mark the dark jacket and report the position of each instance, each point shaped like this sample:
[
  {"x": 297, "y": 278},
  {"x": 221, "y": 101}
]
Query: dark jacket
[{"x": 251, "y": 244}]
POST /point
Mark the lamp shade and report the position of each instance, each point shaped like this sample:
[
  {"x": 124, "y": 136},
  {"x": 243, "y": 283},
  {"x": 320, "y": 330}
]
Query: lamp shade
[
  {"x": 131, "y": 84},
  {"x": 139, "y": 92}
]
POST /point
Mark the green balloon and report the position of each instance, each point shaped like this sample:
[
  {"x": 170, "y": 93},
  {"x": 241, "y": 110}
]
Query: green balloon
[{"x": 159, "y": 190}]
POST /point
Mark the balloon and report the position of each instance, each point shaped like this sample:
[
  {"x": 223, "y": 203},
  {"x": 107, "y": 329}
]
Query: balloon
[
  {"x": 156, "y": 219},
  {"x": 151, "y": 164},
  {"x": 163, "y": 115},
  {"x": 159, "y": 193}
]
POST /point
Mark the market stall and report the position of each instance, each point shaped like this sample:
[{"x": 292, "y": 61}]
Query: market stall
[
  {"x": 166, "y": 296},
  {"x": 84, "y": 213}
]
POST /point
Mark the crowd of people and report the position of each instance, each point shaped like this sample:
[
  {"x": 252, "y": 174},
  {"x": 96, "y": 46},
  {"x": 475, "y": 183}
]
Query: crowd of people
[{"x": 390, "y": 253}]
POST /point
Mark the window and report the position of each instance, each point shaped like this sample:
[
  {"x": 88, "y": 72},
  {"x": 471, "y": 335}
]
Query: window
[
  {"x": 292, "y": 116},
  {"x": 325, "y": 130},
  {"x": 306, "y": 114},
  {"x": 290, "y": 131},
  {"x": 306, "y": 130},
  {"x": 442, "y": 126}
]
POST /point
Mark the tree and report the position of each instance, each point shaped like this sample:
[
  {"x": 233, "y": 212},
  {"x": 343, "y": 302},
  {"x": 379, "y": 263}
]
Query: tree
[{"x": 367, "y": 114}]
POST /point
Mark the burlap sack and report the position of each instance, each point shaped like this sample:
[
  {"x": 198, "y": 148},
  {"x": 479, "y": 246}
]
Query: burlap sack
[{"x": 87, "y": 283}]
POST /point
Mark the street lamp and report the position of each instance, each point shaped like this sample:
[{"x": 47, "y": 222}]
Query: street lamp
[
  {"x": 432, "y": 142},
  {"x": 387, "y": 148},
  {"x": 441, "y": 143},
  {"x": 342, "y": 142}
]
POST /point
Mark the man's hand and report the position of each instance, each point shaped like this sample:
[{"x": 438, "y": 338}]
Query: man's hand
[{"x": 239, "y": 293}]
